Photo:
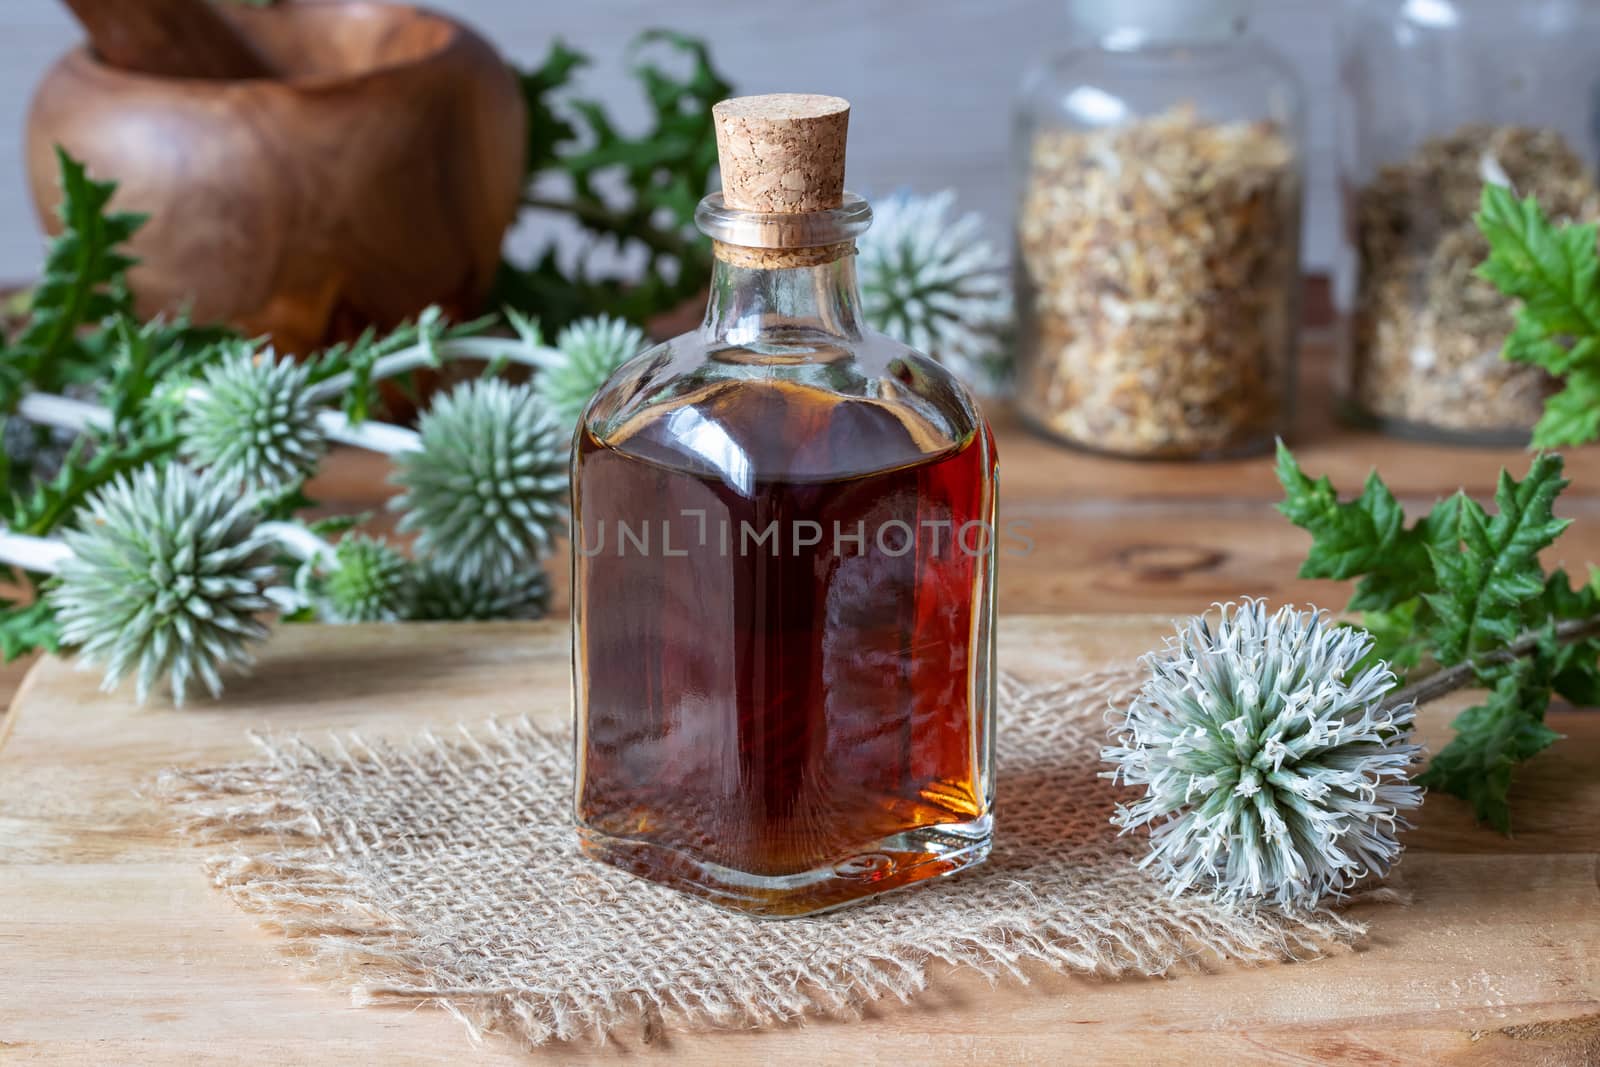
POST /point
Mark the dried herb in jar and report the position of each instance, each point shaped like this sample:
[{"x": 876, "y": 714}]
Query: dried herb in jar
[
  {"x": 1160, "y": 284},
  {"x": 1427, "y": 333}
]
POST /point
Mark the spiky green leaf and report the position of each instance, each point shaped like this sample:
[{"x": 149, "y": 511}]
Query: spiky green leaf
[
  {"x": 1492, "y": 738},
  {"x": 1365, "y": 538},
  {"x": 1553, "y": 272},
  {"x": 80, "y": 284},
  {"x": 27, "y": 628},
  {"x": 632, "y": 191},
  {"x": 1483, "y": 588},
  {"x": 1479, "y": 590}
]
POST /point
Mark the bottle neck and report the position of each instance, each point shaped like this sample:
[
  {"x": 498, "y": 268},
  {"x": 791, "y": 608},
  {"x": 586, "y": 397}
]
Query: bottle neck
[{"x": 793, "y": 307}]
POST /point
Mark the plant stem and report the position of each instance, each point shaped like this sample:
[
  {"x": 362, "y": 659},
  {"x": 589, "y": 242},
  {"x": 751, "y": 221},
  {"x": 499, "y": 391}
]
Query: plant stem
[
  {"x": 284, "y": 598},
  {"x": 42, "y": 555},
  {"x": 380, "y": 437},
  {"x": 309, "y": 548},
  {"x": 1463, "y": 675},
  {"x": 63, "y": 412},
  {"x": 416, "y": 357},
  {"x": 297, "y": 540},
  {"x": 47, "y": 409}
]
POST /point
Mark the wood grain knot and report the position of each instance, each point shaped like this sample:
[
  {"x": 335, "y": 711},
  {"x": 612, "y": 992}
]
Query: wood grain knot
[{"x": 1167, "y": 562}]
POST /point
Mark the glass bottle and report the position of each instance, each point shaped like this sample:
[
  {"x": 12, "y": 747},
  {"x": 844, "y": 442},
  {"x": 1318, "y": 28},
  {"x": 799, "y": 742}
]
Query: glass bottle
[
  {"x": 1439, "y": 97},
  {"x": 1158, "y": 233},
  {"x": 783, "y": 575}
]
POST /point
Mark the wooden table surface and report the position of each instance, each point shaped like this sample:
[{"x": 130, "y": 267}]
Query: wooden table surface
[
  {"x": 1112, "y": 538},
  {"x": 114, "y": 948}
]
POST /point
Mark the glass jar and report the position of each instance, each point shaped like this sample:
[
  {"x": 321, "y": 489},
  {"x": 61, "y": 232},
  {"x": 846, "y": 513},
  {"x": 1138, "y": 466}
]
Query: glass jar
[
  {"x": 1158, "y": 233},
  {"x": 783, "y": 568},
  {"x": 1439, "y": 97}
]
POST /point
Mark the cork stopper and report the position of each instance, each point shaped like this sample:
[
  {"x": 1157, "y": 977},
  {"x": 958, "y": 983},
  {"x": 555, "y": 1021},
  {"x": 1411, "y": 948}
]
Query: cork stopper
[{"x": 782, "y": 153}]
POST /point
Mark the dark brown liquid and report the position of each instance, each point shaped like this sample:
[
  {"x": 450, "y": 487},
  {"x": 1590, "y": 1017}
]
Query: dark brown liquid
[{"x": 775, "y": 708}]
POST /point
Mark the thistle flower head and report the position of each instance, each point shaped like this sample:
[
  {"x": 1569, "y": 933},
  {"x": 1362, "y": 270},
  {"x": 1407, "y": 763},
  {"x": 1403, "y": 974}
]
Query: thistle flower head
[
  {"x": 252, "y": 422},
  {"x": 931, "y": 281},
  {"x": 590, "y": 352},
  {"x": 1271, "y": 768},
  {"x": 446, "y": 596},
  {"x": 365, "y": 580},
  {"x": 166, "y": 578},
  {"x": 486, "y": 492}
]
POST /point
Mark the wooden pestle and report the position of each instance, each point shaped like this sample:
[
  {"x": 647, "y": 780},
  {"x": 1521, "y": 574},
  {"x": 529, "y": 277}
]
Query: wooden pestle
[{"x": 170, "y": 38}]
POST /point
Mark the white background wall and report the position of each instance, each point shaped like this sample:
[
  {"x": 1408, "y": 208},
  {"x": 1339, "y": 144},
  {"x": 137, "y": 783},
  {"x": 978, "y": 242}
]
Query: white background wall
[{"x": 931, "y": 80}]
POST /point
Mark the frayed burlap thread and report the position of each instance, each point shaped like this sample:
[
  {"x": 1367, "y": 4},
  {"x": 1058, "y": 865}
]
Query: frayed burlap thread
[{"x": 443, "y": 870}]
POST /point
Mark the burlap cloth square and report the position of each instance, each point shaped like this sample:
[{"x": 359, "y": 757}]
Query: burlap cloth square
[{"x": 443, "y": 870}]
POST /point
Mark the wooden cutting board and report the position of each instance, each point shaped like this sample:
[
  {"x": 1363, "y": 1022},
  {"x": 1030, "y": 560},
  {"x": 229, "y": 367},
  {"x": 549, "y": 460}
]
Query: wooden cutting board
[{"x": 115, "y": 949}]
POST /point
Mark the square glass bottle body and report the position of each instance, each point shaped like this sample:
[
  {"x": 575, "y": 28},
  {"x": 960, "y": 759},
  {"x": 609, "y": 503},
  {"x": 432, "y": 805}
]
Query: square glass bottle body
[{"x": 783, "y": 606}]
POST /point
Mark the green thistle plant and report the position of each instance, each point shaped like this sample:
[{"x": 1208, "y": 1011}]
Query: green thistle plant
[
  {"x": 168, "y": 578},
  {"x": 485, "y": 486},
  {"x": 591, "y": 351},
  {"x": 364, "y": 579},
  {"x": 629, "y": 186},
  {"x": 1272, "y": 768},
  {"x": 486, "y": 492},
  {"x": 444, "y": 596},
  {"x": 931, "y": 281},
  {"x": 253, "y": 422}
]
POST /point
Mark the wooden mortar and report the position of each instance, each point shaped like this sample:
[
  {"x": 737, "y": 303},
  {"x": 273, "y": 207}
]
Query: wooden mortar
[{"x": 374, "y": 175}]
